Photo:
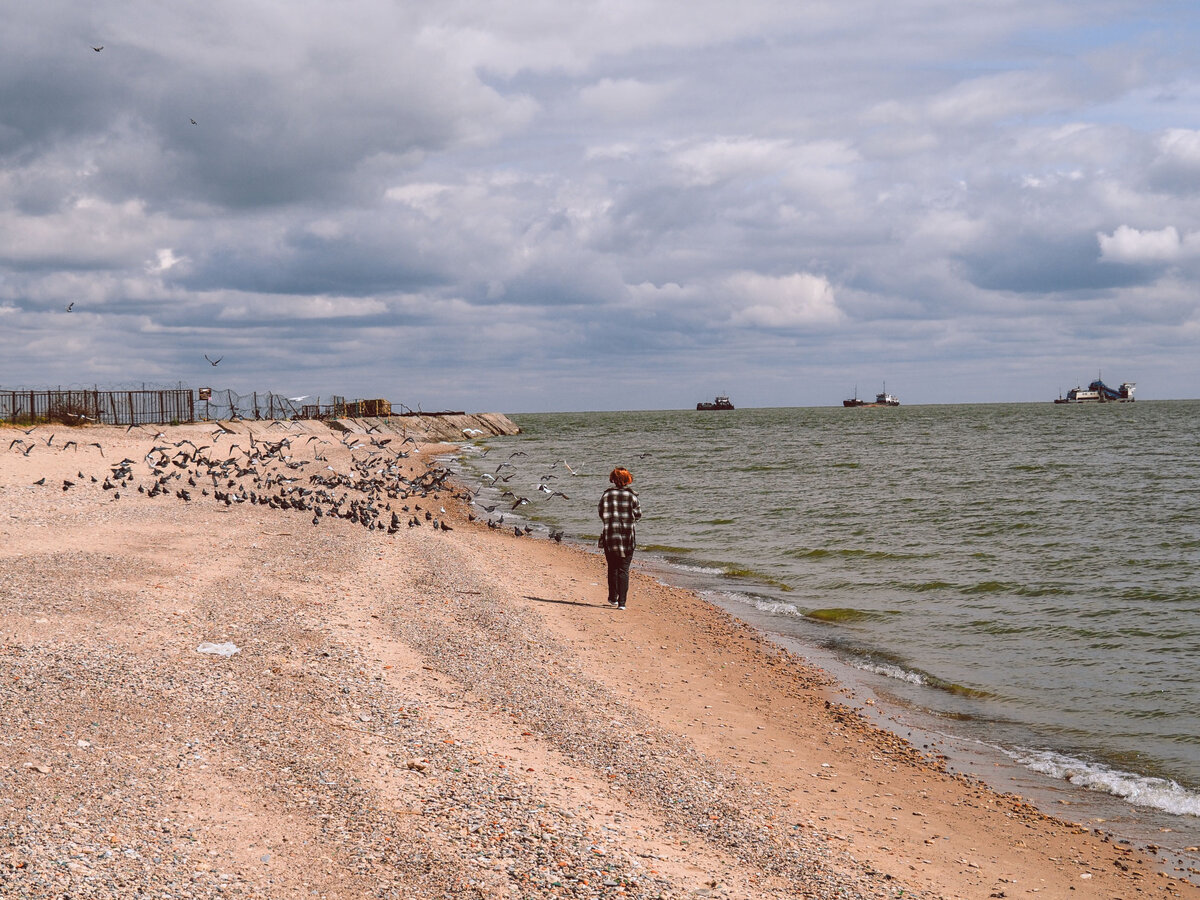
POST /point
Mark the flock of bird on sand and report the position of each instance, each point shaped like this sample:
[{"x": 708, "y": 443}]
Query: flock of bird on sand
[{"x": 266, "y": 472}]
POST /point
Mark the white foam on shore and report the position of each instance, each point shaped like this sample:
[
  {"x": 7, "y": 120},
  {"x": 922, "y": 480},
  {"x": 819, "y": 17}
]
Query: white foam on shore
[
  {"x": 775, "y": 607},
  {"x": 1140, "y": 790},
  {"x": 888, "y": 671},
  {"x": 700, "y": 570}
]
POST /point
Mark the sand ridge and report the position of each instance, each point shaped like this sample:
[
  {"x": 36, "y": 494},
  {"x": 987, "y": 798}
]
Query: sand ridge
[{"x": 435, "y": 713}]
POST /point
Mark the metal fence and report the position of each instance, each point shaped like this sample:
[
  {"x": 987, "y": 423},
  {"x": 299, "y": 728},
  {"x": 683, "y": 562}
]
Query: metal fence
[
  {"x": 78, "y": 407},
  {"x": 226, "y": 404}
]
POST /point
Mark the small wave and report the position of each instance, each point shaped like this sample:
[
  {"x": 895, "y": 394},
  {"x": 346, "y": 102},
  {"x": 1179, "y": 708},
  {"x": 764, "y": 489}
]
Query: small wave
[
  {"x": 1140, "y": 790},
  {"x": 889, "y": 671},
  {"x": 922, "y": 587},
  {"x": 1045, "y": 590},
  {"x": 743, "y": 572},
  {"x": 664, "y": 548},
  {"x": 847, "y": 553},
  {"x": 700, "y": 570},
  {"x": 992, "y": 587},
  {"x": 762, "y": 604},
  {"x": 841, "y": 614}
]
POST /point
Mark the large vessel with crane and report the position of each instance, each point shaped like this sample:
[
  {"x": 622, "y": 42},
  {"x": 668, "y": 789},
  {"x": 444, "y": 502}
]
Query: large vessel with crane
[{"x": 1099, "y": 392}]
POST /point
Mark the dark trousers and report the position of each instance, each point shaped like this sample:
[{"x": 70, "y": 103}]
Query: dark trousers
[{"x": 618, "y": 577}]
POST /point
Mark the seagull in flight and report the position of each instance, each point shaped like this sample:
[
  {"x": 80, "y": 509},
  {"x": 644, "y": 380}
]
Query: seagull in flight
[
  {"x": 70, "y": 305},
  {"x": 98, "y": 49},
  {"x": 193, "y": 121},
  {"x": 213, "y": 362}
]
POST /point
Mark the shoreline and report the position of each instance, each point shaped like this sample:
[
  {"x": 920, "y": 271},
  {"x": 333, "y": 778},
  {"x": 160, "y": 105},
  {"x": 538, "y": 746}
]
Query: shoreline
[
  {"x": 441, "y": 712},
  {"x": 1167, "y": 836}
]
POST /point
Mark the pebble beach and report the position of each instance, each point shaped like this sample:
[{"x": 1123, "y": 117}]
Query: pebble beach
[{"x": 233, "y": 688}]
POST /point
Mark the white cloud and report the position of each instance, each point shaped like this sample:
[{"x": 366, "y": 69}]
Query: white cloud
[
  {"x": 726, "y": 157},
  {"x": 788, "y": 301},
  {"x": 1182, "y": 144},
  {"x": 250, "y": 306},
  {"x": 1129, "y": 245},
  {"x": 164, "y": 260},
  {"x": 617, "y": 151},
  {"x": 421, "y": 196}
]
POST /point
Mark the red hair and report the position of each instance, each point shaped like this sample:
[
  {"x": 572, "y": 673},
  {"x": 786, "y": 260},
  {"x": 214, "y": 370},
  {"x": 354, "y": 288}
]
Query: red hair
[{"x": 620, "y": 476}]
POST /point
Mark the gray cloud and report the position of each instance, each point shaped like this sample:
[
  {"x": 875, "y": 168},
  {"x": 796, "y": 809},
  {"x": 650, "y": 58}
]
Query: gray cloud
[{"x": 535, "y": 207}]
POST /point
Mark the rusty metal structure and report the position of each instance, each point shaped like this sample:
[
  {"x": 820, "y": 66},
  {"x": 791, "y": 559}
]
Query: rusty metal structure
[{"x": 82, "y": 407}]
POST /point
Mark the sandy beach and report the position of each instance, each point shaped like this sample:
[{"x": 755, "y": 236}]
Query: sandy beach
[{"x": 426, "y": 707}]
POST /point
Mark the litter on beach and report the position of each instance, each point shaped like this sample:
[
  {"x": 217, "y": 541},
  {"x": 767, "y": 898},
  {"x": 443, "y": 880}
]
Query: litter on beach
[{"x": 226, "y": 649}]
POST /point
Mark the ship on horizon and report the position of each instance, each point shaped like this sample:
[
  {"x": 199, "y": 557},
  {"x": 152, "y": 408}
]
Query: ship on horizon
[
  {"x": 1099, "y": 392},
  {"x": 721, "y": 402},
  {"x": 881, "y": 399}
]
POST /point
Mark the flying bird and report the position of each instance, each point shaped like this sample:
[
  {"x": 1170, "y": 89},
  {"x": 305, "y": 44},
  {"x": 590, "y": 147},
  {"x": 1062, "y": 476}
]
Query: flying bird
[
  {"x": 70, "y": 305},
  {"x": 193, "y": 121},
  {"x": 98, "y": 49},
  {"x": 213, "y": 362}
]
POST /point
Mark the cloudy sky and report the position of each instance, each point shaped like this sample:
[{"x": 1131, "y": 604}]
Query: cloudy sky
[{"x": 558, "y": 205}]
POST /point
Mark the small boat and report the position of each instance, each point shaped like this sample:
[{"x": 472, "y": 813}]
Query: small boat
[
  {"x": 721, "y": 402},
  {"x": 881, "y": 399},
  {"x": 1099, "y": 392}
]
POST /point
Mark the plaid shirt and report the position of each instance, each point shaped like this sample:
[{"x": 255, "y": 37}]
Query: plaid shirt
[{"x": 619, "y": 509}]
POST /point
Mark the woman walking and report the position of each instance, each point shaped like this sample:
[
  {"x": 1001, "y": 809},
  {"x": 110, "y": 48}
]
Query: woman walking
[{"x": 619, "y": 510}]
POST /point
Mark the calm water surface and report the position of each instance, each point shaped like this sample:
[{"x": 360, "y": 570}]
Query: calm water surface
[{"x": 1030, "y": 572}]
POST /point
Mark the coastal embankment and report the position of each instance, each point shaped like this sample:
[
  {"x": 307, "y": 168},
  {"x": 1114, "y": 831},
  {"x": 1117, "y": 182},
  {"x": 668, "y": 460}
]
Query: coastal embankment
[{"x": 277, "y": 660}]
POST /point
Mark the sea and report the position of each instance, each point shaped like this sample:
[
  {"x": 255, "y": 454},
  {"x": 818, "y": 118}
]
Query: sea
[{"x": 1016, "y": 586}]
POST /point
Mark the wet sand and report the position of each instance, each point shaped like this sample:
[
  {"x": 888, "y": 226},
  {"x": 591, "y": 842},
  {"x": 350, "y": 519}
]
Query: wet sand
[{"x": 435, "y": 713}]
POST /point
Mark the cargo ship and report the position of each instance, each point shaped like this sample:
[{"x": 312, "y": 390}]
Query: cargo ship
[
  {"x": 1099, "y": 392},
  {"x": 881, "y": 399},
  {"x": 721, "y": 402}
]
